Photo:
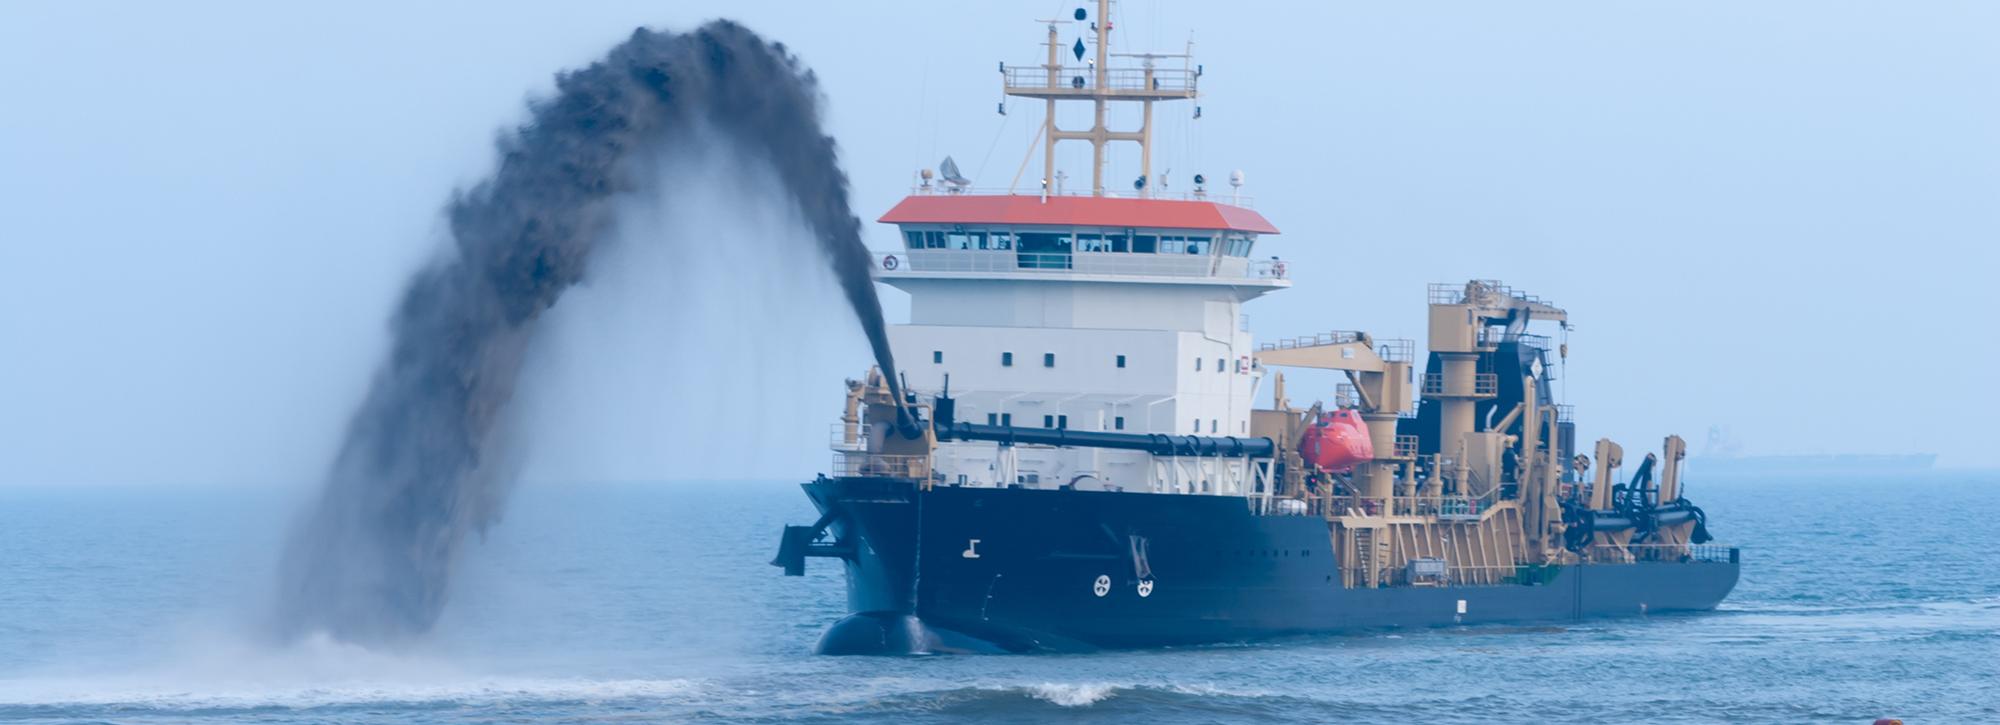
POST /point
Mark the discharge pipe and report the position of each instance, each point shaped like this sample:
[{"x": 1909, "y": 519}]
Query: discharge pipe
[{"x": 1158, "y": 444}]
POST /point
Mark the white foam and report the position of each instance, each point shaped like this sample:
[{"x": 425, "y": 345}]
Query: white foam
[
  {"x": 1077, "y": 695},
  {"x": 169, "y": 696},
  {"x": 319, "y": 672}
]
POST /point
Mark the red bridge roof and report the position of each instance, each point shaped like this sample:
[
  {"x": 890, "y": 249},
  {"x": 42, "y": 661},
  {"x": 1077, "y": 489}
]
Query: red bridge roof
[{"x": 1082, "y": 211}]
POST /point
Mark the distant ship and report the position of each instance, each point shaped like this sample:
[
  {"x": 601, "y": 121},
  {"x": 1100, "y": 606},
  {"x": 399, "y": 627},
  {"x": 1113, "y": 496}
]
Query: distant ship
[
  {"x": 1070, "y": 459},
  {"x": 1722, "y": 456},
  {"x": 1814, "y": 465}
]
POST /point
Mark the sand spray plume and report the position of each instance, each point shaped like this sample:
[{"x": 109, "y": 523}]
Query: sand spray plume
[{"x": 421, "y": 468}]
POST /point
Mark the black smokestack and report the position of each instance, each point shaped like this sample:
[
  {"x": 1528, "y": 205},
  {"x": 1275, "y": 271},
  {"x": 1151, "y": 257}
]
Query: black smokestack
[{"x": 417, "y": 472}]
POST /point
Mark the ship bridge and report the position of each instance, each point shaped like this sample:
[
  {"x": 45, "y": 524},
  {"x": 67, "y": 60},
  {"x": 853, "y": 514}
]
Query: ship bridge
[
  {"x": 1081, "y": 313},
  {"x": 1081, "y": 238}
]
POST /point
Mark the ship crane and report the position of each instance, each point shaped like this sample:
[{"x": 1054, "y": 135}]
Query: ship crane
[{"x": 1379, "y": 373}]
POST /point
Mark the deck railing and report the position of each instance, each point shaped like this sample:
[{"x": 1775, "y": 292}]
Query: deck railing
[
  {"x": 1335, "y": 337},
  {"x": 848, "y": 437},
  {"x": 1396, "y": 350},
  {"x": 1677, "y": 553},
  {"x": 848, "y": 463},
  {"x": 1390, "y": 350},
  {"x": 1450, "y": 507},
  {"x": 1208, "y": 195},
  {"x": 1454, "y": 575},
  {"x": 1112, "y": 263},
  {"x": 1025, "y": 78},
  {"x": 1453, "y": 293},
  {"x": 1484, "y": 385},
  {"x": 1447, "y": 507}
]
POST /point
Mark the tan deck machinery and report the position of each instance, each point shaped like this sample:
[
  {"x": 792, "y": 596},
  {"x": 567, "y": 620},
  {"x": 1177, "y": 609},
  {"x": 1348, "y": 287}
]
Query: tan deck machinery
[{"x": 1479, "y": 481}]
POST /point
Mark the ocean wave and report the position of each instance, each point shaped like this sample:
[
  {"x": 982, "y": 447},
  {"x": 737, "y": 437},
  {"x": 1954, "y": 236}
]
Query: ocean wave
[
  {"x": 1072, "y": 695},
  {"x": 189, "y": 696},
  {"x": 233, "y": 674}
]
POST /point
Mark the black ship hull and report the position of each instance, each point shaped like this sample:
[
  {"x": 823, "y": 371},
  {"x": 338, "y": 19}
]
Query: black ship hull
[{"x": 1012, "y": 570}]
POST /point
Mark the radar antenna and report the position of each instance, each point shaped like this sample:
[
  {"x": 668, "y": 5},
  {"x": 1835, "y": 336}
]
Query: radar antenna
[{"x": 948, "y": 173}]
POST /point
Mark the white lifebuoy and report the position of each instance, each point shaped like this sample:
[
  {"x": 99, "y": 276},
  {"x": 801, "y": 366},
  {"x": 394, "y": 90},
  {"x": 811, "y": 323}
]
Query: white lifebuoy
[{"x": 890, "y": 262}]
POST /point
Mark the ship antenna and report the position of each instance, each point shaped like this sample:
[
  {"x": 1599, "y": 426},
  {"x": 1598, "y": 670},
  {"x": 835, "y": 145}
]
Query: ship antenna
[{"x": 1097, "y": 82}]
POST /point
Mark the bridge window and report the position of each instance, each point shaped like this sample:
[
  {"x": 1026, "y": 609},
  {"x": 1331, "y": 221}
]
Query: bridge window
[
  {"x": 992, "y": 418},
  {"x": 1048, "y": 421},
  {"x": 937, "y": 356},
  {"x": 1006, "y": 359},
  {"x": 1239, "y": 245},
  {"x": 965, "y": 240},
  {"x": 999, "y": 240},
  {"x": 1043, "y": 250},
  {"x": 1048, "y": 359},
  {"x": 1062, "y": 421},
  {"x": 1091, "y": 243},
  {"x": 1118, "y": 423},
  {"x": 1184, "y": 245},
  {"x": 1007, "y": 419},
  {"x": 1113, "y": 242},
  {"x": 1121, "y": 361},
  {"x": 1145, "y": 243}
]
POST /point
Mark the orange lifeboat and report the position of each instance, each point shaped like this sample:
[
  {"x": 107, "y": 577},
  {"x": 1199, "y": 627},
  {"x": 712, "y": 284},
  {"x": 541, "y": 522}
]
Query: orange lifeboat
[{"x": 1336, "y": 442}]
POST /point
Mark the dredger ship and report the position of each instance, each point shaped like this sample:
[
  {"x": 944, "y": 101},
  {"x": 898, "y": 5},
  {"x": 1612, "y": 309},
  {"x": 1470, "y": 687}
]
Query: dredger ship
[{"x": 1070, "y": 458}]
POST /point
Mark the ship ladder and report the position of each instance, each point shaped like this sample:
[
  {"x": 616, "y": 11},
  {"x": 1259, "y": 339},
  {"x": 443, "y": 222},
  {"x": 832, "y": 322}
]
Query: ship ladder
[{"x": 1370, "y": 551}]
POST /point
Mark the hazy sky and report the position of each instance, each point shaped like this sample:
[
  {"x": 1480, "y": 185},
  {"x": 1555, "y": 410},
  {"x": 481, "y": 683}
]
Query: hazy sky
[{"x": 1776, "y": 217}]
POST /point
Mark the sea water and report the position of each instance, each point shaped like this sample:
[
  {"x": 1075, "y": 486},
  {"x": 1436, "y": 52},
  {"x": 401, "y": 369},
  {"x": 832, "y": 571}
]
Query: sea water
[{"x": 1860, "y": 598}]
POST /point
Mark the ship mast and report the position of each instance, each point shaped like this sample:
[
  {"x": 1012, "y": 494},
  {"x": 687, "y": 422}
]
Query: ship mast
[{"x": 1100, "y": 84}]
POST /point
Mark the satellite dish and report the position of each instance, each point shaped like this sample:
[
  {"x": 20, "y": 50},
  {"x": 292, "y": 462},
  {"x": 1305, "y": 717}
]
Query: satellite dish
[
  {"x": 1236, "y": 178},
  {"x": 948, "y": 171}
]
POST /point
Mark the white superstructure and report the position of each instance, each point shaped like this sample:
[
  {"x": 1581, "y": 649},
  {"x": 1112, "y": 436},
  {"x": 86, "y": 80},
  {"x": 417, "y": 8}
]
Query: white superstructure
[
  {"x": 1090, "y": 312},
  {"x": 1043, "y": 315}
]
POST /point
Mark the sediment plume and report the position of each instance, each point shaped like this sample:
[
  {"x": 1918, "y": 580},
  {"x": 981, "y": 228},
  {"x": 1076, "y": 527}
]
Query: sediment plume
[{"x": 420, "y": 471}]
